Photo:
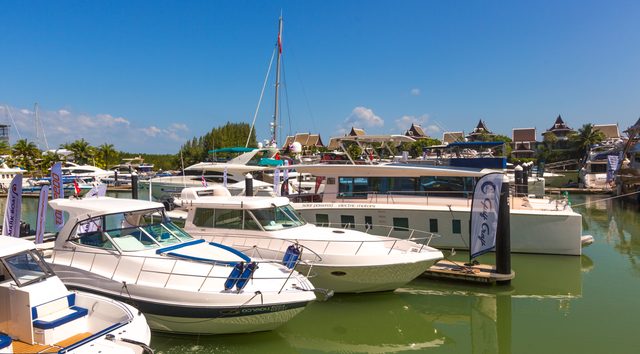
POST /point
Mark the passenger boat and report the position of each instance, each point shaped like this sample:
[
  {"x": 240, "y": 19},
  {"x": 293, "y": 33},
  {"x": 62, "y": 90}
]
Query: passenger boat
[
  {"x": 129, "y": 250},
  {"x": 434, "y": 199},
  {"x": 38, "y": 314},
  {"x": 343, "y": 260}
]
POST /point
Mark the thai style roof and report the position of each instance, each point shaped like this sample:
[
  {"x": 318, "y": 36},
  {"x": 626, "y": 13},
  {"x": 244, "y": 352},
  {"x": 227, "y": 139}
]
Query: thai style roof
[
  {"x": 416, "y": 131},
  {"x": 610, "y": 131},
  {"x": 450, "y": 137},
  {"x": 305, "y": 139},
  {"x": 357, "y": 132},
  {"x": 559, "y": 125},
  {"x": 524, "y": 134},
  {"x": 480, "y": 128}
]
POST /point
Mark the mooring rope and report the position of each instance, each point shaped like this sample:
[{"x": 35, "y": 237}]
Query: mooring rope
[{"x": 603, "y": 199}]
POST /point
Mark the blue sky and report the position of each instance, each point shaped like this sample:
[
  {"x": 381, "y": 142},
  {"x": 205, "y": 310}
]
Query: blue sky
[{"x": 146, "y": 76}]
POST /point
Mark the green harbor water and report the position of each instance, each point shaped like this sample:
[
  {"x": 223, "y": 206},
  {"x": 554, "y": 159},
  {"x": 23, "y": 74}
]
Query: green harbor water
[{"x": 556, "y": 304}]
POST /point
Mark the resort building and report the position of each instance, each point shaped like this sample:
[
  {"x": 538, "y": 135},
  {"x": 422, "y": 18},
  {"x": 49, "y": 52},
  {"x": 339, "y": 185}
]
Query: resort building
[
  {"x": 610, "y": 131},
  {"x": 416, "y": 132},
  {"x": 308, "y": 141},
  {"x": 523, "y": 142},
  {"x": 479, "y": 132}
]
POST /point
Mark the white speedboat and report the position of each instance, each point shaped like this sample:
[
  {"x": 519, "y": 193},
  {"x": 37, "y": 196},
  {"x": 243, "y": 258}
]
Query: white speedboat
[
  {"x": 343, "y": 260},
  {"x": 39, "y": 314},
  {"x": 128, "y": 250}
]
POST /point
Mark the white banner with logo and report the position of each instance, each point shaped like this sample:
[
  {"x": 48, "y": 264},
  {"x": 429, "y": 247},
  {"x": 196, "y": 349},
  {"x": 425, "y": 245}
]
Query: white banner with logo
[
  {"x": 612, "y": 166},
  {"x": 99, "y": 190},
  {"x": 42, "y": 213},
  {"x": 13, "y": 208},
  {"x": 58, "y": 192},
  {"x": 484, "y": 214}
]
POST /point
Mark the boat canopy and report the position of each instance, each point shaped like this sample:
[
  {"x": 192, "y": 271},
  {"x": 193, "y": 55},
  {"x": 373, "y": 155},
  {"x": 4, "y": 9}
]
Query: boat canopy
[
  {"x": 472, "y": 144},
  {"x": 237, "y": 149}
]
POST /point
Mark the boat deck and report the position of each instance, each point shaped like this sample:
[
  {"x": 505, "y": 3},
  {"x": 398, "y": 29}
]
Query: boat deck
[{"x": 22, "y": 347}]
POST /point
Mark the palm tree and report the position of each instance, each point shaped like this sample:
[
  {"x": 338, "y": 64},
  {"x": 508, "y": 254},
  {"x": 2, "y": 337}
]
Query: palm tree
[
  {"x": 82, "y": 151},
  {"x": 25, "y": 153},
  {"x": 585, "y": 138},
  {"x": 106, "y": 151},
  {"x": 5, "y": 148}
]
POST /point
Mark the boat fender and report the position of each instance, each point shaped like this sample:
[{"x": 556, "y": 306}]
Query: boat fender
[
  {"x": 291, "y": 256},
  {"x": 246, "y": 275},
  {"x": 234, "y": 276}
]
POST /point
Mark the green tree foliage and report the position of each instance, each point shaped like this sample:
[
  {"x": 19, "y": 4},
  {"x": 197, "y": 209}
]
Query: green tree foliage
[
  {"x": 108, "y": 156},
  {"x": 5, "y": 148},
  {"x": 25, "y": 154},
  {"x": 585, "y": 138},
  {"x": 83, "y": 153},
  {"x": 228, "y": 135}
]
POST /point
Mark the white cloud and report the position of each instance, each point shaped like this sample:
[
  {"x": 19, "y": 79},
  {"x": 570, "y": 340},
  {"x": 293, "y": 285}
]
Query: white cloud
[
  {"x": 404, "y": 122},
  {"x": 415, "y": 92},
  {"x": 360, "y": 117},
  {"x": 179, "y": 126},
  {"x": 152, "y": 131},
  {"x": 64, "y": 126}
]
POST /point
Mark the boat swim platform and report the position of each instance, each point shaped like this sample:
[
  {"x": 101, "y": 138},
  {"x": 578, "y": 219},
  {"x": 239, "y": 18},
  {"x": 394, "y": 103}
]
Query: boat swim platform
[{"x": 477, "y": 273}]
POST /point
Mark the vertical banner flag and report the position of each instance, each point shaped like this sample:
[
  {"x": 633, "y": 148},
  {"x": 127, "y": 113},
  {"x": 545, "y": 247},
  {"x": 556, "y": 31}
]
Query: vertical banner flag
[
  {"x": 204, "y": 182},
  {"x": 98, "y": 190},
  {"x": 484, "y": 214},
  {"x": 285, "y": 177},
  {"x": 612, "y": 166},
  {"x": 13, "y": 208},
  {"x": 224, "y": 178},
  {"x": 76, "y": 187},
  {"x": 42, "y": 213},
  {"x": 276, "y": 181},
  {"x": 58, "y": 192}
]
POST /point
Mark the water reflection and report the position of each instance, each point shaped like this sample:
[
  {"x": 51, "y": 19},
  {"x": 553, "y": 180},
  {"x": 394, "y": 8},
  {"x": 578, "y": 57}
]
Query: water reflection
[
  {"x": 616, "y": 221},
  {"x": 370, "y": 323}
]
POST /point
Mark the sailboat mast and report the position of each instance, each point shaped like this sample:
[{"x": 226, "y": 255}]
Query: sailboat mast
[{"x": 274, "y": 138}]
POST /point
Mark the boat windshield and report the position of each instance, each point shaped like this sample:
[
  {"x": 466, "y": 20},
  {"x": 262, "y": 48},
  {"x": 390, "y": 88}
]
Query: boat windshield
[
  {"x": 26, "y": 267},
  {"x": 130, "y": 231},
  {"x": 278, "y": 217}
]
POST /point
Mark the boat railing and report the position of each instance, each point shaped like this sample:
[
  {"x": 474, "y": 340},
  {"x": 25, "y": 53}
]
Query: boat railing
[
  {"x": 153, "y": 263},
  {"x": 319, "y": 247},
  {"x": 399, "y": 196}
]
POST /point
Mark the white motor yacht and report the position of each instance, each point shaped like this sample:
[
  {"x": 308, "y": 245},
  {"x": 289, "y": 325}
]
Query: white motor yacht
[
  {"x": 129, "y": 250},
  {"x": 434, "y": 199},
  {"x": 343, "y": 260},
  {"x": 38, "y": 314}
]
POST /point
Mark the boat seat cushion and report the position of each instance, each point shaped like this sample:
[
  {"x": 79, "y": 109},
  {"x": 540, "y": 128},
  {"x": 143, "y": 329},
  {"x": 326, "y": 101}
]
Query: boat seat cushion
[
  {"x": 57, "y": 312},
  {"x": 5, "y": 341}
]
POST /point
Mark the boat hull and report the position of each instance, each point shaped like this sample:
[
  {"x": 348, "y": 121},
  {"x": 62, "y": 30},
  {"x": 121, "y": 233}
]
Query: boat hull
[
  {"x": 177, "y": 311},
  {"x": 531, "y": 232},
  {"x": 362, "y": 279}
]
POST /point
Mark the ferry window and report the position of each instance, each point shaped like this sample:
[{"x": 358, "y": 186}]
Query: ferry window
[
  {"x": 203, "y": 217},
  {"x": 331, "y": 180},
  {"x": 348, "y": 221},
  {"x": 368, "y": 222},
  {"x": 350, "y": 187},
  {"x": 404, "y": 185},
  {"x": 322, "y": 220},
  {"x": 456, "y": 226},
  {"x": 433, "y": 225},
  {"x": 400, "y": 224},
  {"x": 229, "y": 219},
  {"x": 249, "y": 222}
]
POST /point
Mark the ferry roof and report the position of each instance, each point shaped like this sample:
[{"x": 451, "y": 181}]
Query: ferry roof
[
  {"x": 238, "y": 202},
  {"x": 12, "y": 245},
  {"x": 101, "y": 205},
  {"x": 391, "y": 170}
]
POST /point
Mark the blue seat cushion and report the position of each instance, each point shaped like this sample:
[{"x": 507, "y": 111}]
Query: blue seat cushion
[
  {"x": 74, "y": 312},
  {"x": 5, "y": 341}
]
